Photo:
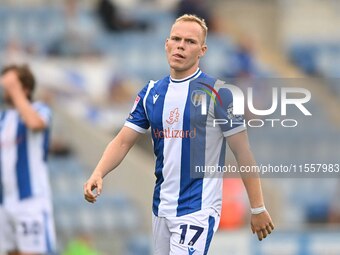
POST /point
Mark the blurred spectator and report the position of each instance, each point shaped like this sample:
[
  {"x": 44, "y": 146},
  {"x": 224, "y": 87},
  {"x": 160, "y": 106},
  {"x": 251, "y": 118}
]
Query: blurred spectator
[
  {"x": 241, "y": 63},
  {"x": 81, "y": 245},
  {"x": 113, "y": 22},
  {"x": 245, "y": 57},
  {"x": 79, "y": 32},
  {"x": 199, "y": 8}
]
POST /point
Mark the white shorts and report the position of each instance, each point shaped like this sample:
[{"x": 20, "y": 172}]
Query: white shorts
[
  {"x": 27, "y": 227},
  {"x": 185, "y": 235}
]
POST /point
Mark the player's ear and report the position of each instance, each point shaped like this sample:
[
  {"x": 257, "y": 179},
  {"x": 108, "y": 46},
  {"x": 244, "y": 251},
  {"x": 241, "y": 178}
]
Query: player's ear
[
  {"x": 204, "y": 49},
  {"x": 166, "y": 43},
  {"x": 28, "y": 93}
]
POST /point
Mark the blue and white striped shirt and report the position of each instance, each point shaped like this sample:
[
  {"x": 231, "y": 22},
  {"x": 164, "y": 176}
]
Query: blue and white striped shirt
[
  {"x": 23, "y": 156},
  {"x": 185, "y": 139}
]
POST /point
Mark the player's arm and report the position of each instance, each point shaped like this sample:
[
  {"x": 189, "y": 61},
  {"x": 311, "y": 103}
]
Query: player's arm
[
  {"x": 260, "y": 223},
  {"x": 113, "y": 155},
  {"x": 30, "y": 116}
]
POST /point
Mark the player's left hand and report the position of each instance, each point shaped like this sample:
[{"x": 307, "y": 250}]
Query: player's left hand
[{"x": 261, "y": 224}]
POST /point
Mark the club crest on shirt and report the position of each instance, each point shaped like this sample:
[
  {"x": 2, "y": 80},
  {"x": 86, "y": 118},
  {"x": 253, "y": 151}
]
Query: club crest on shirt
[{"x": 197, "y": 97}]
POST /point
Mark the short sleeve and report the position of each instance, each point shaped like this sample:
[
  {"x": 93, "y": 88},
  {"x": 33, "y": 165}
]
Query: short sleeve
[
  {"x": 44, "y": 112},
  {"x": 229, "y": 123},
  {"x": 138, "y": 119}
]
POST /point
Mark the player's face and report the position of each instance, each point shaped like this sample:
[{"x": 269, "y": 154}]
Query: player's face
[{"x": 184, "y": 48}]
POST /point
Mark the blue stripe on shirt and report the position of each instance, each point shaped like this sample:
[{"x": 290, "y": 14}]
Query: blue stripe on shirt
[
  {"x": 193, "y": 152},
  {"x": 160, "y": 88},
  {"x": 46, "y": 143},
  {"x": 2, "y": 117},
  {"x": 190, "y": 193},
  {"x": 22, "y": 165}
]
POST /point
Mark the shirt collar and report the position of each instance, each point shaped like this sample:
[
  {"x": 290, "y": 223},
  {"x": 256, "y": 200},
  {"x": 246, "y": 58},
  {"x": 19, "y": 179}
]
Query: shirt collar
[{"x": 190, "y": 77}]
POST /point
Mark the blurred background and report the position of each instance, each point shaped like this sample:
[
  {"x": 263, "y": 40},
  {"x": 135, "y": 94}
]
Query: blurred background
[{"x": 91, "y": 57}]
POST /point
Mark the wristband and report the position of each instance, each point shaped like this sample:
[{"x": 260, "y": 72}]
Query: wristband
[{"x": 258, "y": 210}]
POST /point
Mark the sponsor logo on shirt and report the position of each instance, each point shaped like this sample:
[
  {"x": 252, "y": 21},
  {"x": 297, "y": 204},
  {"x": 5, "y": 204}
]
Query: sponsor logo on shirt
[
  {"x": 174, "y": 133},
  {"x": 173, "y": 116},
  {"x": 169, "y": 132}
]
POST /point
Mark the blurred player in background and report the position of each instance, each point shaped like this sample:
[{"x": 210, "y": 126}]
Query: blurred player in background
[
  {"x": 186, "y": 210},
  {"x": 26, "y": 218}
]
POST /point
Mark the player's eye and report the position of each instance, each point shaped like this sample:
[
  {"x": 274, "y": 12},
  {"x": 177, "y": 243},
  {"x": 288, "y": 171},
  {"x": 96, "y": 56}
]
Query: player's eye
[
  {"x": 176, "y": 39},
  {"x": 190, "y": 41}
]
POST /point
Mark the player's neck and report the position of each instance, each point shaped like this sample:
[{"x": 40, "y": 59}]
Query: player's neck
[{"x": 177, "y": 75}]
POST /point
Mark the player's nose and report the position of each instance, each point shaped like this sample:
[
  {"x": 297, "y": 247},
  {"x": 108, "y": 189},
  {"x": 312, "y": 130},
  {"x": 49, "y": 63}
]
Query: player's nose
[{"x": 180, "y": 45}]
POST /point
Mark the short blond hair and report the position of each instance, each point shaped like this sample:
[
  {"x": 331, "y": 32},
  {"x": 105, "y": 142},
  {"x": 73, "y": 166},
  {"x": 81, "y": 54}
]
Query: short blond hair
[{"x": 198, "y": 20}]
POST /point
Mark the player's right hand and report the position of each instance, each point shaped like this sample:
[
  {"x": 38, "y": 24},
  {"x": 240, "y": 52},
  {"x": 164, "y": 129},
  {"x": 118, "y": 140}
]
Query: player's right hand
[
  {"x": 94, "y": 182},
  {"x": 11, "y": 83}
]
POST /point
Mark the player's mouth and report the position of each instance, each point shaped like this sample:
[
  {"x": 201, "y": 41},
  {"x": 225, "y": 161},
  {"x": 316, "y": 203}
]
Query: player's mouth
[{"x": 178, "y": 56}]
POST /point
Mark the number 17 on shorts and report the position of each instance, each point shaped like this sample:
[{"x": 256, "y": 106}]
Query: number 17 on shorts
[{"x": 189, "y": 234}]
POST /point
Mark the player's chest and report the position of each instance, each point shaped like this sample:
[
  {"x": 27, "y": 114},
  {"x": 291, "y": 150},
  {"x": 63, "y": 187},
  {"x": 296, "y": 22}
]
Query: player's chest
[{"x": 173, "y": 108}]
